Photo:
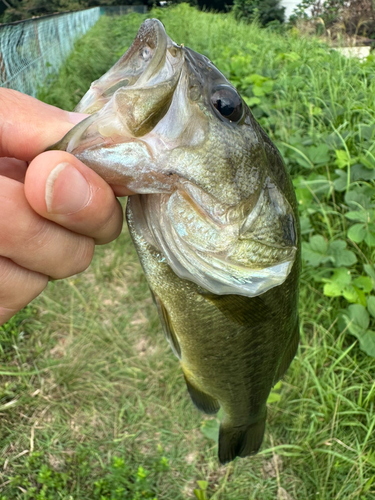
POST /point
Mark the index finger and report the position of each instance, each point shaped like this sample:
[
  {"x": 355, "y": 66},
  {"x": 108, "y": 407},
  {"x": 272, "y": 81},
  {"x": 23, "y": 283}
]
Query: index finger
[{"x": 29, "y": 126}]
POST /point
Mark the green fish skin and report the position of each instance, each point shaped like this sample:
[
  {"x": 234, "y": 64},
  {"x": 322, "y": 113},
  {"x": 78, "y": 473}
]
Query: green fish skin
[{"x": 214, "y": 222}]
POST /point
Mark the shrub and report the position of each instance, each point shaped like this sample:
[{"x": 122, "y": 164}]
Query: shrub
[{"x": 264, "y": 11}]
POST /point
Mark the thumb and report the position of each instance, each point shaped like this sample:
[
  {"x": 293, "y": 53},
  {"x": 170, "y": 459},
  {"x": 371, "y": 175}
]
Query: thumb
[{"x": 62, "y": 189}]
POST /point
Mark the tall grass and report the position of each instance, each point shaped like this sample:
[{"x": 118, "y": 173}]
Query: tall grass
[{"x": 93, "y": 404}]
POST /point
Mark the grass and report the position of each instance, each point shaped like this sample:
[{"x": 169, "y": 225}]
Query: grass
[{"x": 93, "y": 403}]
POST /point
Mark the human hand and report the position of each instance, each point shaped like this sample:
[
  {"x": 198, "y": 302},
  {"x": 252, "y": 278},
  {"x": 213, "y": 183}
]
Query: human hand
[{"x": 52, "y": 212}]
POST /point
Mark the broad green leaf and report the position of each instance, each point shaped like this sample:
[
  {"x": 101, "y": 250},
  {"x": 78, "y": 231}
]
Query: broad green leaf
[
  {"x": 357, "y": 233},
  {"x": 298, "y": 154},
  {"x": 258, "y": 91},
  {"x": 341, "y": 276},
  {"x": 333, "y": 289},
  {"x": 342, "y": 158},
  {"x": 371, "y": 305},
  {"x": 355, "y": 295},
  {"x": 315, "y": 252},
  {"x": 252, "y": 101},
  {"x": 319, "y": 154},
  {"x": 340, "y": 183},
  {"x": 366, "y": 132},
  {"x": 360, "y": 172},
  {"x": 359, "y": 216},
  {"x": 274, "y": 397},
  {"x": 370, "y": 271},
  {"x": 314, "y": 185},
  {"x": 257, "y": 79},
  {"x": 304, "y": 197},
  {"x": 370, "y": 238},
  {"x": 268, "y": 86},
  {"x": 359, "y": 315},
  {"x": 318, "y": 244},
  {"x": 356, "y": 323},
  {"x": 341, "y": 256},
  {"x": 200, "y": 494},
  {"x": 316, "y": 110},
  {"x": 360, "y": 197},
  {"x": 367, "y": 160},
  {"x": 338, "y": 284},
  {"x": 364, "y": 283},
  {"x": 367, "y": 342},
  {"x": 203, "y": 485},
  {"x": 289, "y": 56}
]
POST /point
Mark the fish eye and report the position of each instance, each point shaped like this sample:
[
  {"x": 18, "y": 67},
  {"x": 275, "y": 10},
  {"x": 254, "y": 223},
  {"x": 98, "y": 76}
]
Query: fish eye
[{"x": 228, "y": 103}]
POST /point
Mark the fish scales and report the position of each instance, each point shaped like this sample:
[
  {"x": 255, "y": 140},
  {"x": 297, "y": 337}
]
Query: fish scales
[{"x": 214, "y": 222}]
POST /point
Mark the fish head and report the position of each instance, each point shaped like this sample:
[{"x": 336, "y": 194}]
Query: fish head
[{"x": 166, "y": 123}]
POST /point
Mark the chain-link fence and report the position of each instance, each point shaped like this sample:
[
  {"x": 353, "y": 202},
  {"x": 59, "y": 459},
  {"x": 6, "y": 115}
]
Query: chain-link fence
[
  {"x": 32, "y": 49},
  {"x": 121, "y": 10}
]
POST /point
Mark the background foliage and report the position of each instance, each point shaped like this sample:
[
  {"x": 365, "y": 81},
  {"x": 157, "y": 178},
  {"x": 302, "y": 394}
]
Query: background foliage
[
  {"x": 93, "y": 403},
  {"x": 353, "y": 17},
  {"x": 262, "y": 11},
  {"x": 15, "y": 10}
]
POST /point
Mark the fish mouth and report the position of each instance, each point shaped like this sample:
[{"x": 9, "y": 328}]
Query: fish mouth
[
  {"x": 143, "y": 64},
  {"x": 125, "y": 105}
]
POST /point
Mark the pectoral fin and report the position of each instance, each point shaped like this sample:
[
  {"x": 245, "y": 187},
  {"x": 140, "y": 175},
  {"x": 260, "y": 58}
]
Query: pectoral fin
[
  {"x": 167, "y": 326},
  {"x": 202, "y": 401}
]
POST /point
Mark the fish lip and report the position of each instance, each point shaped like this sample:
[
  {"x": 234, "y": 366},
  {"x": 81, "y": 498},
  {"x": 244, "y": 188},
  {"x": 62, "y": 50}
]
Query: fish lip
[{"x": 137, "y": 65}]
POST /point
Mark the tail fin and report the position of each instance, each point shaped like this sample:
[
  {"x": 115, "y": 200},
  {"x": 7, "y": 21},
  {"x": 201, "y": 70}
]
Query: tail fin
[{"x": 240, "y": 441}]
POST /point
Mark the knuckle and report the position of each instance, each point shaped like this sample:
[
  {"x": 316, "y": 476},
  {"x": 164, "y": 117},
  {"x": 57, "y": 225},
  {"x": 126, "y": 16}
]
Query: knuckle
[
  {"x": 86, "y": 255},
  {"x": 18, "y": 286},
  {"x": 110, "y": 227},
  {"x": 39, "y": 234},
  {"x": 78, "y": 258},
  {"x": 5, "y": 273}
]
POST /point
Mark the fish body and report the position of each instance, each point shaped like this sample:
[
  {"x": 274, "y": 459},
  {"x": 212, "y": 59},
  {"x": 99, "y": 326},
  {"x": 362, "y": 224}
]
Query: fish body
[{"x": 214, "y": 223}]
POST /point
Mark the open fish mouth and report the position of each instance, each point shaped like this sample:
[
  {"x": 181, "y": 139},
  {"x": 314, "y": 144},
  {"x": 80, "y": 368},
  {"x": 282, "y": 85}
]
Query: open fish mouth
[
  {"x": 153, "y": 58},
  {"x": 125, "y": 106}
]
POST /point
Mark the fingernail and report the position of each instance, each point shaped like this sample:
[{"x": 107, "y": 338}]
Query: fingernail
[
  {"x": 67, "y": 191},
  {"x": 76, "y": 117}
]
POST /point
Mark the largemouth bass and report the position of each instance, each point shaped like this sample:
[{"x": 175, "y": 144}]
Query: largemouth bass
[{"x": 214, "y": 222}]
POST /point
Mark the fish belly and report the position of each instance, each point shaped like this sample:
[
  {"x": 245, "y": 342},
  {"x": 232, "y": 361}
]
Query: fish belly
[{"x": 232, "y": 349}]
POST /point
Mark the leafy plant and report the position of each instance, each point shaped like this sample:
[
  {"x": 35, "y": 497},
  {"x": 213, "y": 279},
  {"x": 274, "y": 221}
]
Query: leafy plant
[
  {"x": 263, "y": 11},
  {"x": 201, "y": 492}
]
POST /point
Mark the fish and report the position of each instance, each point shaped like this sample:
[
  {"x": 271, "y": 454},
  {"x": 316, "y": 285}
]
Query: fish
[{"x": 214, "y": 221}]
